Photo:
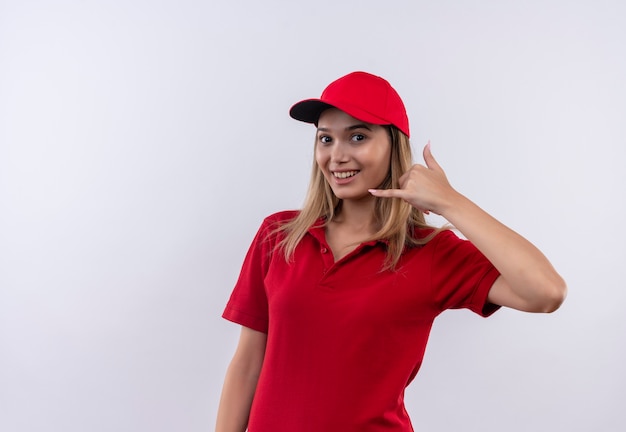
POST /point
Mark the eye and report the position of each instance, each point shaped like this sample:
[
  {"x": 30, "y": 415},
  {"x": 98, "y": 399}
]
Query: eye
[
  {"x": 358, "y": 137},
  {"x": 324, "y": 139}
]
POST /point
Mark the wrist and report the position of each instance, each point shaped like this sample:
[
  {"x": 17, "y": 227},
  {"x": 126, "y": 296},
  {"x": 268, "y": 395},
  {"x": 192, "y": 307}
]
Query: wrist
[{"x": 453, "y": 201}]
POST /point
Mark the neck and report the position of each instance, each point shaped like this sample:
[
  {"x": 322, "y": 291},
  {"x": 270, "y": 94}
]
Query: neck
[{"x": 357, "y": 215}]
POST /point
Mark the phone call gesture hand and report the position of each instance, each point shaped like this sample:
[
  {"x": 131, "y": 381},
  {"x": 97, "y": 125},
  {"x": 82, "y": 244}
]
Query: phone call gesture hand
[{"x": 424, "y": 187}]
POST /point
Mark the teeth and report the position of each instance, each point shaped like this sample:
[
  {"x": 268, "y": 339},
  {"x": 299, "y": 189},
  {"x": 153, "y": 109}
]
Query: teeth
[{"x": 346, "y": 174}]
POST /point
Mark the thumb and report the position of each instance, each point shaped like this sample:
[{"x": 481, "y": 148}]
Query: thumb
[{"x": 430, "y": 159}]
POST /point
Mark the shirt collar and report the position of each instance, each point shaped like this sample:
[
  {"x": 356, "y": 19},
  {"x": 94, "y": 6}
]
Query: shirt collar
[{"x": 318, "y": 231}]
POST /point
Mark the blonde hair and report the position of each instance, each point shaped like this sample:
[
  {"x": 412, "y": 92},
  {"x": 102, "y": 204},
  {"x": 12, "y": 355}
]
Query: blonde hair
[{"x": 397, "y": 221}]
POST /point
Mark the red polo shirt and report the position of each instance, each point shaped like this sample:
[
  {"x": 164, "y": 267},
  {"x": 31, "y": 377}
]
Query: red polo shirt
[{"x": 345, "y": 338}]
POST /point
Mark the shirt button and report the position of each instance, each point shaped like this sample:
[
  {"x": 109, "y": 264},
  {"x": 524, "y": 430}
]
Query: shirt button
[{"x": 324, "y": 250}]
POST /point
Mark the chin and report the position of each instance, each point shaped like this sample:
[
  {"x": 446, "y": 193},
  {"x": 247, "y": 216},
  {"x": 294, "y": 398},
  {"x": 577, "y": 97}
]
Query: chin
[{"x": 353, "y": 196}]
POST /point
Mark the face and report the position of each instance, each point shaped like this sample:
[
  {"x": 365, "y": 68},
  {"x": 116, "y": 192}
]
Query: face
[{"x": 354, "y": 156}]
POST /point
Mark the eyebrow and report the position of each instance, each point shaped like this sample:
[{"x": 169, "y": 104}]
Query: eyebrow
[{"x": 349, "y": 128}]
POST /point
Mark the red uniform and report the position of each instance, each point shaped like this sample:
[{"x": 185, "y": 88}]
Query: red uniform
[{"x": 345, "y": 338}]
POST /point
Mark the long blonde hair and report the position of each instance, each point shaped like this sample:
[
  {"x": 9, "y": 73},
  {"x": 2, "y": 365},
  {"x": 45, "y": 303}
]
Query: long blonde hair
[{"x": 397, "y": 221}]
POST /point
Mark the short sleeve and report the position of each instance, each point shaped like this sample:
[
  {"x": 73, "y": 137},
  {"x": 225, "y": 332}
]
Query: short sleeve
[
  {"x": 248, "y": 301},
  {"x": 461, "y": 275}
]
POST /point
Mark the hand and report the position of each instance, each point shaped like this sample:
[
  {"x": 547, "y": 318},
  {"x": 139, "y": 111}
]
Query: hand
[{"x": 424, "y": 187}]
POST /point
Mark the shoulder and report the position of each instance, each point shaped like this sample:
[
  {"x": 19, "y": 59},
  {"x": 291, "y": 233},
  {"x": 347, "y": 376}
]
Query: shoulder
[
  {"x": 274, "y": 223},
  {"x": 432, "y": 236},
  {"x": 275, "y": 220},
  {"x": 447, "y": 240},
  {"x": 447, "y": 235},
  {"x": 282, "y": 216},
  {"x": 448, "y": 247}
]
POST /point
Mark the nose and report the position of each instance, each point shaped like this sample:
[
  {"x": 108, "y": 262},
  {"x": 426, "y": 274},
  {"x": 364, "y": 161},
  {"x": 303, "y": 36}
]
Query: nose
[{"x": 338, "y": 153}]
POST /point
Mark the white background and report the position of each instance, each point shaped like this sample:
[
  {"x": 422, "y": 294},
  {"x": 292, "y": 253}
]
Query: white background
[{"x": 142, "y": 143}]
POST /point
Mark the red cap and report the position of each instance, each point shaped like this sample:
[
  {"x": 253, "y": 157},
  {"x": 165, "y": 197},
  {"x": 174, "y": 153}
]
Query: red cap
[{"x": 364, "y": 96}]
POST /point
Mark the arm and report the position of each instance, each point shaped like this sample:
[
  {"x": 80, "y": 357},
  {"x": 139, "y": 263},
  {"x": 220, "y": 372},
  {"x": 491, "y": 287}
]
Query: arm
[
  {"x": 240, "y": 382},
  {"x": 528, "y": 281}
]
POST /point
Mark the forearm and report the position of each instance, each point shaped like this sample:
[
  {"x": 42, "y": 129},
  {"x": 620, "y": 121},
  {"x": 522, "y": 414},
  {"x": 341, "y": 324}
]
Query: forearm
[
  {"x": 241, "y": 381},
  {"x": 526, "y": 271},
  {"x": 528, "y": 281},
  {"x": 236, "y": 400}
]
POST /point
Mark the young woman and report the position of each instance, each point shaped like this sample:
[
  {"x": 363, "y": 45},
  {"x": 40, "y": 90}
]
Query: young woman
[{"x": 336, "y": 301}]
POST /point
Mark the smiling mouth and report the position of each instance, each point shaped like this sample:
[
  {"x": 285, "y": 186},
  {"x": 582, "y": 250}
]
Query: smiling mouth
[{"x": 345, "y": 174}]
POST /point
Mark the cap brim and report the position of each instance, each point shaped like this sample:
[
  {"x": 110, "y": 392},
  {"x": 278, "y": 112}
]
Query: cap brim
[{"x": 309, "y": 111}]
